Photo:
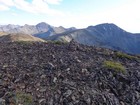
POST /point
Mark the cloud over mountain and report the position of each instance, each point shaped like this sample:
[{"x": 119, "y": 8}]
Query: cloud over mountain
[{"x": 34, "y": 6}]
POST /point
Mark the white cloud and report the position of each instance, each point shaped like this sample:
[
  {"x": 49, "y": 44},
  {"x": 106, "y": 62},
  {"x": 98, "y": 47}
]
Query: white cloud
[
  {"x": 125, "y": 15},
  {"x": 41, "y": 6},
  {"x": 3, "y": 8},
  {"x": 36, "y": 6},
  {"x": 5, "y": 5},
  {"x": 53, "y": 1},
  {"x": 14, "y": 14},
  {"x": 7, "y": 2}
]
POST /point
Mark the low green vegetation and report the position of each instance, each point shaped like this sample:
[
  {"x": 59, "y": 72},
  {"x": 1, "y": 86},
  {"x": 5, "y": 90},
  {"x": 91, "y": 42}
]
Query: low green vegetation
[
  {"x": 24, "y": 42},
  {"x": 117, "y": 66},
  {"x": 24, "y": 99},
  {"x": 123, "y": 55},
  {"x": 57, "y": 42}
]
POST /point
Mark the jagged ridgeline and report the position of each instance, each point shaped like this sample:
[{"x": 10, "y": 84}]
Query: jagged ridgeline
[
  {"x": 103, "y": 35},
  {"x": 56, "y": 73}
]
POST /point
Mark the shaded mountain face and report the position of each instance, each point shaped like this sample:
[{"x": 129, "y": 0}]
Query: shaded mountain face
[
  {"x": 19, "y": 37},
  {"x": 41, "y": 30},
  {"x": 104, "y": 35},
  {"x": 43, "y": 27},
  {"x": 49, "y": 31},
  {"x": 53, "y": 31}
]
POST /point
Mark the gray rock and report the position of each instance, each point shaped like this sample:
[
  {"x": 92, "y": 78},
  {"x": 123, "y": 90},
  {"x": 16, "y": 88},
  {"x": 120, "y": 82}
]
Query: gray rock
[
  {"x": 68, "y": 93},
  {"x": 42, "y": 101},
  {"x": 42, "y": 89},
  {"x": 2, "y": 101}
]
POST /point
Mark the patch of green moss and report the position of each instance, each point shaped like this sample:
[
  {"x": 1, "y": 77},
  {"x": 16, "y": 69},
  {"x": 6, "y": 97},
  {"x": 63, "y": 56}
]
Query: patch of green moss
[
  {"x": 24, "y": 42},
  {"x": 117, "y": 66},
  {"x": 57, "y": 42},
  {"x": 24, "y": 99},
  {"x": 123, "y": 55}
]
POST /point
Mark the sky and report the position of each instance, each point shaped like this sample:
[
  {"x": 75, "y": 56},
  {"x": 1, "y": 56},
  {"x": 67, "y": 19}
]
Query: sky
[{"x": 72, "y": 13}]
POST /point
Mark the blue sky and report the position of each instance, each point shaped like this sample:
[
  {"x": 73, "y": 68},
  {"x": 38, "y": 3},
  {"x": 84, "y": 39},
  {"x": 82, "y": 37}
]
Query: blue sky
[{"x": 68, "y": 13}]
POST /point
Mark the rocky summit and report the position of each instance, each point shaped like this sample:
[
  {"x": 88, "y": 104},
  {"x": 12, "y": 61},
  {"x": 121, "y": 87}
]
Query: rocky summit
[{"x": 56, "y": 73}]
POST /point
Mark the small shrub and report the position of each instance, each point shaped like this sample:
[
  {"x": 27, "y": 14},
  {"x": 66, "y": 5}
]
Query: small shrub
[
  {"x": 64, "y": 40},
  {"x": 123, "y": 55},
  {"x": 24, "y": 99},
  {"x": 24, "y": 42},
  {"x": 115, "y": 66},
  {"x": 57, "y": 42}
]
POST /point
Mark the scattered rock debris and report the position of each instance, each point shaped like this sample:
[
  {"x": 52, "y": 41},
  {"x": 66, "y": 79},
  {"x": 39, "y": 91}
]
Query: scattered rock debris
[{"x": 65, "y": 74}]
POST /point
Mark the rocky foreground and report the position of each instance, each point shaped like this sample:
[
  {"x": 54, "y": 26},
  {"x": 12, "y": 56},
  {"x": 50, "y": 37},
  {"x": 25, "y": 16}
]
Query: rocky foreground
[{"x": 35, "y": 73}]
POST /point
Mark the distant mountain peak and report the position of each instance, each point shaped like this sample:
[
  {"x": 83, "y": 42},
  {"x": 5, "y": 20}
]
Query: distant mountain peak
[
  {"x": 42, "y": 24},
  {"x": 106, "y": 35},
  {"x": 107, "y": 25},
  {"x": 26, "y": 25},
  {"x": 60, "y": 27},
  {"x": 104, "y": 25}
]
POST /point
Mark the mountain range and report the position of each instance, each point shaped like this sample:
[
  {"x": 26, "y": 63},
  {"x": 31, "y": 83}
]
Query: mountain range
[
  {"x": 102, "y": 35},
  {"x": 65, "y": 72},
  {"x": 38, "y": 30}
]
